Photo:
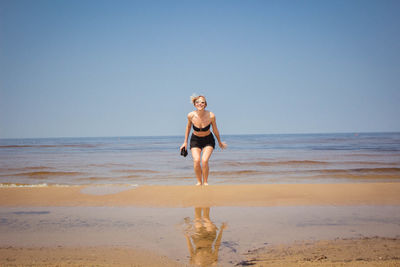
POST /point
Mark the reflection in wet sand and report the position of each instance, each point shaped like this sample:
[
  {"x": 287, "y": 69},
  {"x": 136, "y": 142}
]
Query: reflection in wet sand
[
  {"x": 203, "y": 238},
  {"x": 252, "y": 234}
]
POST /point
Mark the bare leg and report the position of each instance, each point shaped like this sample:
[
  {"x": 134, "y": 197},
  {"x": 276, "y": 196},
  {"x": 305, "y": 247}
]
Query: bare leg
[
  {"x": 196, "y": 153},
  {"x": 210, "y": 226},
  {"x": 197, "y": 213},
  {"x": 207, "y": 151},
  {"x": 197, "y": 218},
  {"x": 206, "y": 213}
]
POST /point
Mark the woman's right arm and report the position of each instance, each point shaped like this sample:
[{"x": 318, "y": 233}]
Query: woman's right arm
[{"x": 188, "y": 126}]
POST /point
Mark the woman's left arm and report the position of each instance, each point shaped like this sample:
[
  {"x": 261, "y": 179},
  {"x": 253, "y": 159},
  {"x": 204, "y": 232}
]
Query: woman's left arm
[{"x": 221, "y": 144}]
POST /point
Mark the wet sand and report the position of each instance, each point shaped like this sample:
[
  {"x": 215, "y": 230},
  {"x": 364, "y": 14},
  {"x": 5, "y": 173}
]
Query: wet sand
[
  {"x": 373, "y": 251},
  {"x": 82, "y": 256},
  {"x": 266, "y": 225},
  {"x": 340, "y": 252},
  {"x": 214, "y": 195}
]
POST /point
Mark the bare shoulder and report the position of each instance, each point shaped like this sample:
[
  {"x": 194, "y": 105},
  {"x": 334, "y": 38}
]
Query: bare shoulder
[
  {"x": 212, "y": 116},
  {"x": 190, "y": 115}
]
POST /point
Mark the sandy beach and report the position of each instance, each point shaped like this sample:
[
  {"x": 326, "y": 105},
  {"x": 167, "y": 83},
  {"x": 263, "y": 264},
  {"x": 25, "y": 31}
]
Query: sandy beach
[
  {"x": 318, "y": 241},
  {"x": 82, "y": 256},
  {"x": 340, "y": 252},
  {"x": 215, "y": 195},
  {"x": 373, "y": 251}
]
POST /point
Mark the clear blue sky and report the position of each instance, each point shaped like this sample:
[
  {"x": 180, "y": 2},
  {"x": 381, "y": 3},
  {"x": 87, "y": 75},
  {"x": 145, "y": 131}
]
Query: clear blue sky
[{"x": 128, "y": 68}]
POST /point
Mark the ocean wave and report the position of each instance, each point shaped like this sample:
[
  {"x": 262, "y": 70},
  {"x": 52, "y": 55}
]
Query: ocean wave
[
  {"x": 99, "y": 179},
  {"x": 378, "y": 173},
  {"x": 364, "y": 176},
  {"x": 238, "y": 172},
  {"x": 49, "y": 146},
  {"x": 373, "y": 155},
  {"x": 361, "y": 170},
  {"x": 109, "y": 165},
  {"x": 29, "y": 168},
  {"x": 298, "y": 162},
  {"x": 12, "y": 185},
  {"x": 94, "y": 179},
  {"x": 309, "y": 163},
  {"x": 369, "y": 163},
  {"x": 43, "y": 174},
  {"x": 278, "y": 163},
  {"x": 135, "y": 171}
]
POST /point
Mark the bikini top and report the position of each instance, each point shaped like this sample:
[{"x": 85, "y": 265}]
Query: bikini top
[{"x": 205, "y": 129}]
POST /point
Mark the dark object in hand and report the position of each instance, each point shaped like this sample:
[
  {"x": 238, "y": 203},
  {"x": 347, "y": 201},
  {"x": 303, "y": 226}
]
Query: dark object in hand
[{"x": 184, "y": 152}]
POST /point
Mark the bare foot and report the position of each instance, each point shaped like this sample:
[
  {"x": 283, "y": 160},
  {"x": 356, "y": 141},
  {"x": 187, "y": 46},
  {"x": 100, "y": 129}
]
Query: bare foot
[
  {"x": 205, "y": 184},
  {"x": 198, "y": 184}
]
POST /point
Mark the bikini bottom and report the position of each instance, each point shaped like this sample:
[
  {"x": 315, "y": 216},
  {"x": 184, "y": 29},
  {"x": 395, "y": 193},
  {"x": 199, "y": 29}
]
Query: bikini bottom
[{"x": 201, "y": 142}]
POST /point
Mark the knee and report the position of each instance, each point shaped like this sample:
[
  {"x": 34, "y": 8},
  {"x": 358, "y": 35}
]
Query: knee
[
  {"x": 204, "y": 162},
  {"x": 196, "y": 162}
]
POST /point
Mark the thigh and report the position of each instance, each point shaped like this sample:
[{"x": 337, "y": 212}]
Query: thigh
[
  {"x": 207, "y": 151},
  {"x": 196, "y": 153}
]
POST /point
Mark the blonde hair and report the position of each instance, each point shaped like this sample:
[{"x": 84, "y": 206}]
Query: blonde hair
[{"x": 194, "y": 98}]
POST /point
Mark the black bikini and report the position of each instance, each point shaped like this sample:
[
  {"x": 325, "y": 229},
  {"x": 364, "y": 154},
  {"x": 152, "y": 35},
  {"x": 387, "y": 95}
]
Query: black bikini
[
  {"x": 202, "y": 141},
  {"x": 205, "y": 129}
]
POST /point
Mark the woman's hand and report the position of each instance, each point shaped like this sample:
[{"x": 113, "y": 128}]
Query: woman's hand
[
  {"x": 223, "y": 145},
  {"x": 184, "y": 145}
]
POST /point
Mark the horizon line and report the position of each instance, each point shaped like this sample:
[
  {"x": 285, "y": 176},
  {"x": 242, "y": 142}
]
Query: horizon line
[{"x": 241, "y": 134}]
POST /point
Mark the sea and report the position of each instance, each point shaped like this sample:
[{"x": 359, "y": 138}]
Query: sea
[{"x": 156, "y": 160}]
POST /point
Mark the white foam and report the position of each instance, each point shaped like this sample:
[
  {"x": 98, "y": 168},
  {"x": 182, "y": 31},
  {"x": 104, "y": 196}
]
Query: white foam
[
  {"x": 24, "y": 185},
  {"x": 64, "y": 185}
]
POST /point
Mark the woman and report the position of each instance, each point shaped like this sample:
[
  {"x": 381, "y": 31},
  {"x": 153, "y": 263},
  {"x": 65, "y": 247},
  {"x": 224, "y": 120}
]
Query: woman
[{"x": 202, "y": 140}]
